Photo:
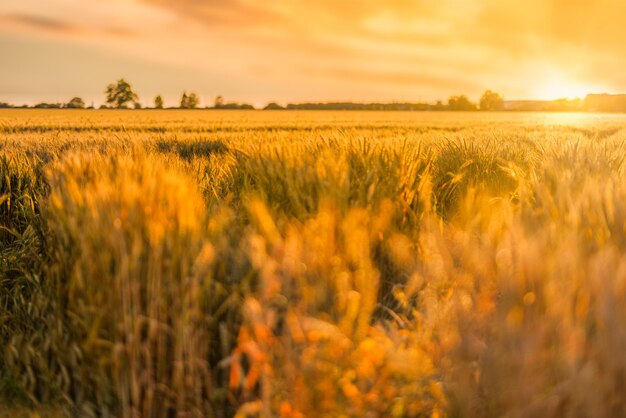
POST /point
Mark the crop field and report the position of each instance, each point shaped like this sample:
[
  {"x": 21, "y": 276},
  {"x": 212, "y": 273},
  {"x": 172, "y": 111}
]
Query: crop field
[{"x": 312, "y": 264}]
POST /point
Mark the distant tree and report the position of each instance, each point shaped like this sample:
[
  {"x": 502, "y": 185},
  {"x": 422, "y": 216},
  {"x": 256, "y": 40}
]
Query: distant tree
[
  {"x": 491, "y": 101},
  {"x": 75, "y": 103},
  {"x": 158, "y": 102},
  {"x": 460, "y": 103},
  {"x": 219, "y": 102},
  {"x": 189, "y": 101},
  {"x": 120, "y": 93},
  {"x": 48, "y": 106},
  {"x": 4, "y": 105},
  {"x": 193, "y": 100},
  {"x": 438, "y": 106},
  {"x": 273, "y": 106},
  {"x": 137, "y": 105},
  {"x": 236, "y": 106}
]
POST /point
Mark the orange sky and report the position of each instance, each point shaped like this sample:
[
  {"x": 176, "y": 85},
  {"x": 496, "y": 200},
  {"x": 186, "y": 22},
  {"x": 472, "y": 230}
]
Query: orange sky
[{"x": 304, "y": 50}]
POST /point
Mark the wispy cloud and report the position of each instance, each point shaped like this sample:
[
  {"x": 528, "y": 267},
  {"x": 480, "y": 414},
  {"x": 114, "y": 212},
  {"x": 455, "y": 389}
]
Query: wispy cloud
[
  {"x": 38, "y": 22},
  {"x": 48, "y": 25},
  {"x": 400, "y": 78}
]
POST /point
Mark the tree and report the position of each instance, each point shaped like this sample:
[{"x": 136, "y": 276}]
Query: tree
[
  {"x": 273, "y": 106},
  {"x": 189, "y": 101},
  {"x": 158, "y": 102},
  {"x": 193, "y": 100},
  {"x": 219, "y": 102},
  {"x": 460, "y": 103},
  {"x": 48, "y": 106},
  {"x": 75, "y": 103},
  {"x": 491, "y": 101},
  {"x": 118, "y": 94}
]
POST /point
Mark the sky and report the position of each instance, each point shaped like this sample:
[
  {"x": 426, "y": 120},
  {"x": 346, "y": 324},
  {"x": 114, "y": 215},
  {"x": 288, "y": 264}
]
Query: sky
[{"x": 257, "y": 51}]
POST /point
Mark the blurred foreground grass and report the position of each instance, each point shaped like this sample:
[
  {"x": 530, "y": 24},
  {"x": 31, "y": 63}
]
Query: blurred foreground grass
[{"x": 298, "y": 264}]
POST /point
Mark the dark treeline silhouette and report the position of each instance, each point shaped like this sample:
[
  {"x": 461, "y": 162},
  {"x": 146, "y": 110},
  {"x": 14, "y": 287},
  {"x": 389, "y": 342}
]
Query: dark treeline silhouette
[
  {"x": 234, "y": 106},
  {"x": 350, "y": 106},
  {"x": 74, "y": 103},
  {"x": 220, "y": 103},
  {"x": 488, "y": 101},
  {"x": 120, "y": 95}
]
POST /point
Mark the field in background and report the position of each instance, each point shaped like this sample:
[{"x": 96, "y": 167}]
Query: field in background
[{"x": 300, "y": 264}]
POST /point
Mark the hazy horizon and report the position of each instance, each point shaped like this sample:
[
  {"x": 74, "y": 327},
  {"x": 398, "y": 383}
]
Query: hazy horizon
[
  {"x": 293, "y": 51},
  {"x": 208, "y": 102}
]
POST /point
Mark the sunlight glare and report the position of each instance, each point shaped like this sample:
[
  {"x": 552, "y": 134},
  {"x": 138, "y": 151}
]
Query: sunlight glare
[{"x": 557, "y": 86}]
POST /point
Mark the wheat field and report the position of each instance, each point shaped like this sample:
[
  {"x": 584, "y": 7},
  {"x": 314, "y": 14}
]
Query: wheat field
[{"x": 312, "y": 264}]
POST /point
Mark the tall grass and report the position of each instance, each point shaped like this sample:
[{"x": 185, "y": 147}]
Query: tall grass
[{"x": 313, "y": 264}]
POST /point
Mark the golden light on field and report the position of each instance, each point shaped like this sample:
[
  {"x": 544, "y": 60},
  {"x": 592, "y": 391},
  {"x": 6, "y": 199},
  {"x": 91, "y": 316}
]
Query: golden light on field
[
  {"x": 307, "y": 264},
  {"x": 420, "y": 255}
]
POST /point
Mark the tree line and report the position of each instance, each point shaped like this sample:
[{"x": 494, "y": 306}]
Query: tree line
[
  {"x": 120, "y": 95},
  {"x": 488, "y": 101}
]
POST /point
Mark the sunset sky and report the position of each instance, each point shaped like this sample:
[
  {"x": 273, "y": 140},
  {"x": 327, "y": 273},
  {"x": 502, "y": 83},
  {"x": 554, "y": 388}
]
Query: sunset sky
[{"x": 303, "y": 50}]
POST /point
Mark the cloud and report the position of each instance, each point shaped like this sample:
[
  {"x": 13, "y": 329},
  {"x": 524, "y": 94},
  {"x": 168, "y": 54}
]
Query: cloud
[
  {"x": 38, "y": 22},
  {"x": 232, "y": 13},
  {"x": 507, "y": 26},
  {"x": 445, "y": 46},
  {"x": 400, "y": 78},
  {"x": 49, "y": 25}
]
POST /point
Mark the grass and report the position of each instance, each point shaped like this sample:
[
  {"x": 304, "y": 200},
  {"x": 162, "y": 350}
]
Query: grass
[{"x": 292, "y": 264}]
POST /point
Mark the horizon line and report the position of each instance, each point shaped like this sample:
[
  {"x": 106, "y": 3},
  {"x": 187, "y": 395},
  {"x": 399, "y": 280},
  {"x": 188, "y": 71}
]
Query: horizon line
[{"x": 33, "y": 103}]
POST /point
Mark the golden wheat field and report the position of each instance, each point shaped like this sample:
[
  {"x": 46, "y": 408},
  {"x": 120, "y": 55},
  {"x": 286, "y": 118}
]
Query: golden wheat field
[{"x": 312, "y": 264}]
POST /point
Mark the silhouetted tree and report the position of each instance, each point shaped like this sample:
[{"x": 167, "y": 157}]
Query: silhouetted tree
[
  {"x": 219, "y": 102},
  {"x": 273, "y": 106},
  {"x": 48, "y": 106},
  {"x": 75, "y": 103},
  {"x": 358, "y": 106},
  {"x": 158, "y": 102},
  {"x": 193, "y": 100},
  {"x": 460, "y": 103},
  {"x": 236, "y": 106},
  {"x": 189, "y": 101},
  {"x": 137, "y": 105},
  {"x": 491, "y": 101},
  {"x": 118, "y": 94}
]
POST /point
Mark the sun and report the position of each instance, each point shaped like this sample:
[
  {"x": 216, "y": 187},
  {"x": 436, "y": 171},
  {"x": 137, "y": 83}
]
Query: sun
[
  {"x": 554, "y": 91},
  {"x": 554, "y": 85}
]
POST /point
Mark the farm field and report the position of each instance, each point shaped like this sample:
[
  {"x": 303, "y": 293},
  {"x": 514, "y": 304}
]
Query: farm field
[{"x": 312, "y": 264}]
